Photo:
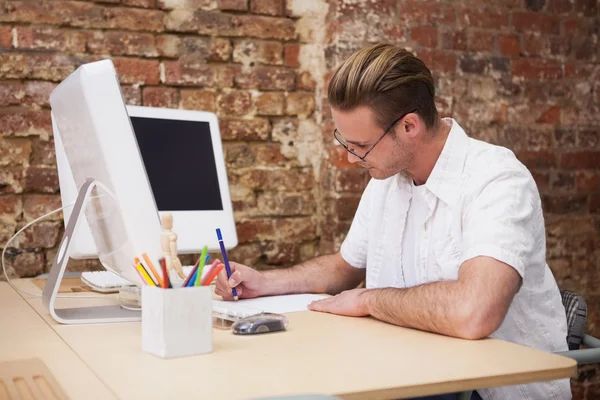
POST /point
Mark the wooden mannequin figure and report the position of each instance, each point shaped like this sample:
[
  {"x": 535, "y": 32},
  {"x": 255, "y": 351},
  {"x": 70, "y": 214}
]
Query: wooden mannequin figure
[{"x": 168, "y": 243}]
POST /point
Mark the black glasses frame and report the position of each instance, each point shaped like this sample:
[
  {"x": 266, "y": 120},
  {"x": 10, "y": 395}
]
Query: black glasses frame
[{"x": 338, "y": 137}]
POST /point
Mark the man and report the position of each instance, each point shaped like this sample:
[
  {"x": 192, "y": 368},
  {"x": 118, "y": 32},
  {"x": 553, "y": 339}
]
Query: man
[{"x": 449, "y": 233}]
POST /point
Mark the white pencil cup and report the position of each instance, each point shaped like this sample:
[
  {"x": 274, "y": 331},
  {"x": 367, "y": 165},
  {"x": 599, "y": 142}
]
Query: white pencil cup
[{"x": 177, "y": 322}]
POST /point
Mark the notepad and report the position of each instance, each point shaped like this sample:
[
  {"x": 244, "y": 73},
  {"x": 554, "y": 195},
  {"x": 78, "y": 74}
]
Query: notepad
[{"x": 283, "y": 304}]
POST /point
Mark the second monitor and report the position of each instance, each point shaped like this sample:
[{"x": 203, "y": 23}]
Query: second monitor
[{"x": 183, "y": 157}]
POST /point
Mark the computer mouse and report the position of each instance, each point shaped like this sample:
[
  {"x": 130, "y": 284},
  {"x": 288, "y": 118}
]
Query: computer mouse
[{"x": 260, "y": 323}]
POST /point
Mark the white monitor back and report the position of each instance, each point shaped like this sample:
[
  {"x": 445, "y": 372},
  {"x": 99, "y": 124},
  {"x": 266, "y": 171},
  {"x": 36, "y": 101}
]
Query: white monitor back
[
  {"x": 194, "y": 222},
  {"x": 99, "y": 143}
]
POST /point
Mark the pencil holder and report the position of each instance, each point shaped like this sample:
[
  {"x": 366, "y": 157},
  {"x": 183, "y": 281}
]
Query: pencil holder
[{"x": 176, "y": 322}]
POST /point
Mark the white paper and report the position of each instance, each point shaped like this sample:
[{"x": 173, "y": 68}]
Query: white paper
[{"x": 274, "y": 304}]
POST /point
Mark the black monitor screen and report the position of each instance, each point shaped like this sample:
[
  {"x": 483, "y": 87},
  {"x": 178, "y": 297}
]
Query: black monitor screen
[{"x": 179, "y": 160}]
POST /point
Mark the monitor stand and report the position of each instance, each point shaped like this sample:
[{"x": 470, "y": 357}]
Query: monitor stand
[{"x": 79, "y": 315}]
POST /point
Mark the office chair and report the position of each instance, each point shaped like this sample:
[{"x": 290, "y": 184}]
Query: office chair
[{"x": 576, "y": 310}]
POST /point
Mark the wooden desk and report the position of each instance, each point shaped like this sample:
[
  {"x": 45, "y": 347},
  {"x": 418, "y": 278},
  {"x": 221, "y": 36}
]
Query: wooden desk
[
  {"x": 320, "y": 353},
  {"x": 24, "y": 335}
]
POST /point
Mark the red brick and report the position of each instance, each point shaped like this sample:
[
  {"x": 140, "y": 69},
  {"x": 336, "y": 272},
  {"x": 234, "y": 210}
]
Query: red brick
[
  {"x": 594, "y": 205},
  {"x": 178, "y": 73},
  {"x": 38, "y": 93},
  {"x": 266, "y": 27},
  {"x": 562, "y": 182},
  {"x": 202, "y": 100},
  {"x": 190, "y": 4},
  {"x": 588, "y": 138},
  {"x": 566, "y": 138},
  {"x": 25, "y": 264},
  {"x": 587, "y": 180},
  {"x": 277, "y": 253},
  {"x": 482, "y": 18},
  {"x": 11, "y": 207},
  {"x": 140, "y": 3},
  {"x": 137, "y": 70},
  {"x": 588, "y": 8},
  {"x": 11, "y": 180},
  {"x": 251, "y": 52},
  {"x": 481, "y": 41},
  {"x": 359, "y": 9},
  {"x": 509, "y": 45},
  {"x": 267, "y": 78},
  {"x": 122, "y": 43},
  {"x": 160, "y": 97},
  {"x": 581, "y": 159},
  {"x": 424, "y": 35},
  {"x": 220, "y": 49},
  {"x": 284, "y": 204},
  {"x": 253, "y": 229},
  {"x": 300, "y": 103},
  {"x": 542, "y": 180},
  {"x": 438, "y": 61},
  {"x": 267, "y": 7},
  {"x": 270, "y": 103},
  {"x": 11, "y": 93},
  {"x": 559, "y": 6},
  {"x": 306, "y": 81},
  {"x": 550, "y": 116},
  {"x": 233, "y": 5},
  {"x": 351, "y": 179},
  {"x": 574, "y": 27},
  {"x": 5, "y": 37},
  {"x": 455, "y": 40},
  {"x": 168, "y": 45},
  {"x": 53, "y": 67},
  {"x": 235, "y": 103},
  {"x": 38, "y": 12},
  {"x": 14, "y": 151},
  {"x": 41, "y": 235},
  {"x": 279, "y": 179},
  {"x": 270, "y": 154},
  {"x": 42, "y": 152},
  {"x": 537, "y": 159},
  {"x": 50, "y": 39},
  {"x": 290, "y": 55},
  {"x": 242, "y": 129},
  {"x": 581, "y": 70},
  {"x": 132, "y": 94},
  {"x": 564, "y": 204},
  {"x": 536, "y": 69},
  {"x": 134, "y": 19},
  {"x": 426, "y": 13},
  {"x": 214, "y": 23},
  {"x": 41, "y": 179},
  {"x": 25, "y": 122},
  {"x": 532, "y": 21}
]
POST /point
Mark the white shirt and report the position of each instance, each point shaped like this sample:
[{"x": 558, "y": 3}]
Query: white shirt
[
  {"x": 481, "y": 201},
  {"x": 415, "y": 223}
]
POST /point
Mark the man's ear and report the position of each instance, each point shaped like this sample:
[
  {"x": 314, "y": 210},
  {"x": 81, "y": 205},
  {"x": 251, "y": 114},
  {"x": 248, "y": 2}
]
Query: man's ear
[{"x": 411, "y": 124}]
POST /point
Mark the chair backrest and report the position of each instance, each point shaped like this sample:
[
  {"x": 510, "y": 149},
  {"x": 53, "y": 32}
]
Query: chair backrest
[{"x": 576, "y": 311}]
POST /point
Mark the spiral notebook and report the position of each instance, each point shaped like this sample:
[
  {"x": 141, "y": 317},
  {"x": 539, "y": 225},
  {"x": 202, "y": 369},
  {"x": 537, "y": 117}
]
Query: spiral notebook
[{"x": 283, "y": 304}]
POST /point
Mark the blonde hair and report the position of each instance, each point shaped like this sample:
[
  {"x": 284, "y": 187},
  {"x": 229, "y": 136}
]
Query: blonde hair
[{"x": 389, "y": 80}]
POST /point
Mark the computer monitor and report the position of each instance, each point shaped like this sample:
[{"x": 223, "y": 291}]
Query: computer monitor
[
  {"x": 113, "y": 188},
  {"x": 183, "y": 157}
]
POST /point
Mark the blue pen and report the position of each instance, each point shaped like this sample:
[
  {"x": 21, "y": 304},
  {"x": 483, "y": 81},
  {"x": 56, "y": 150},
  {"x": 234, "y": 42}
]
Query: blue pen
[{"x": 226, "y": 261}]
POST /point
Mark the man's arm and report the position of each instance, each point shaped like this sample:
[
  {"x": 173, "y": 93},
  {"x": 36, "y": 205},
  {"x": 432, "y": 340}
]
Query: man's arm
[
  {"x": 472, "y": 307},
  {"x": 325, "y": 274}
]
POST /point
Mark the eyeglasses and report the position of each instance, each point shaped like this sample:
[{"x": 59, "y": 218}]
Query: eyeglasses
[{"x": 338, "y": 136}]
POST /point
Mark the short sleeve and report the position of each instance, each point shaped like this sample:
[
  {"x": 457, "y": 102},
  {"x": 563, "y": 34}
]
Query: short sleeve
[
  {"x": 504, "y": 220},
  {"x": 355, "y": 245}
]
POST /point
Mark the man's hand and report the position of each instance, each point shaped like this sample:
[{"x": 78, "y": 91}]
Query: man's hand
[
  {"x": 349, "y": 303},
  {"x": 249, "y": 283}
]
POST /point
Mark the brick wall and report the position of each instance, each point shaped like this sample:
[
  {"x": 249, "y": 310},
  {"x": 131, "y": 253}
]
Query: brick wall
[{"x": 520, "y": 73}]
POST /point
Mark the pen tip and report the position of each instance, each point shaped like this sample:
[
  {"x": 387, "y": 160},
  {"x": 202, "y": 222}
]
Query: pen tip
[{"x": 235, "y": 298}]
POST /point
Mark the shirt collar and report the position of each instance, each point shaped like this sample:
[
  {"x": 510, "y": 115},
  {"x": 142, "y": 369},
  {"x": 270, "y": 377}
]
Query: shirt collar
[{"x": 446, "y": 175}]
